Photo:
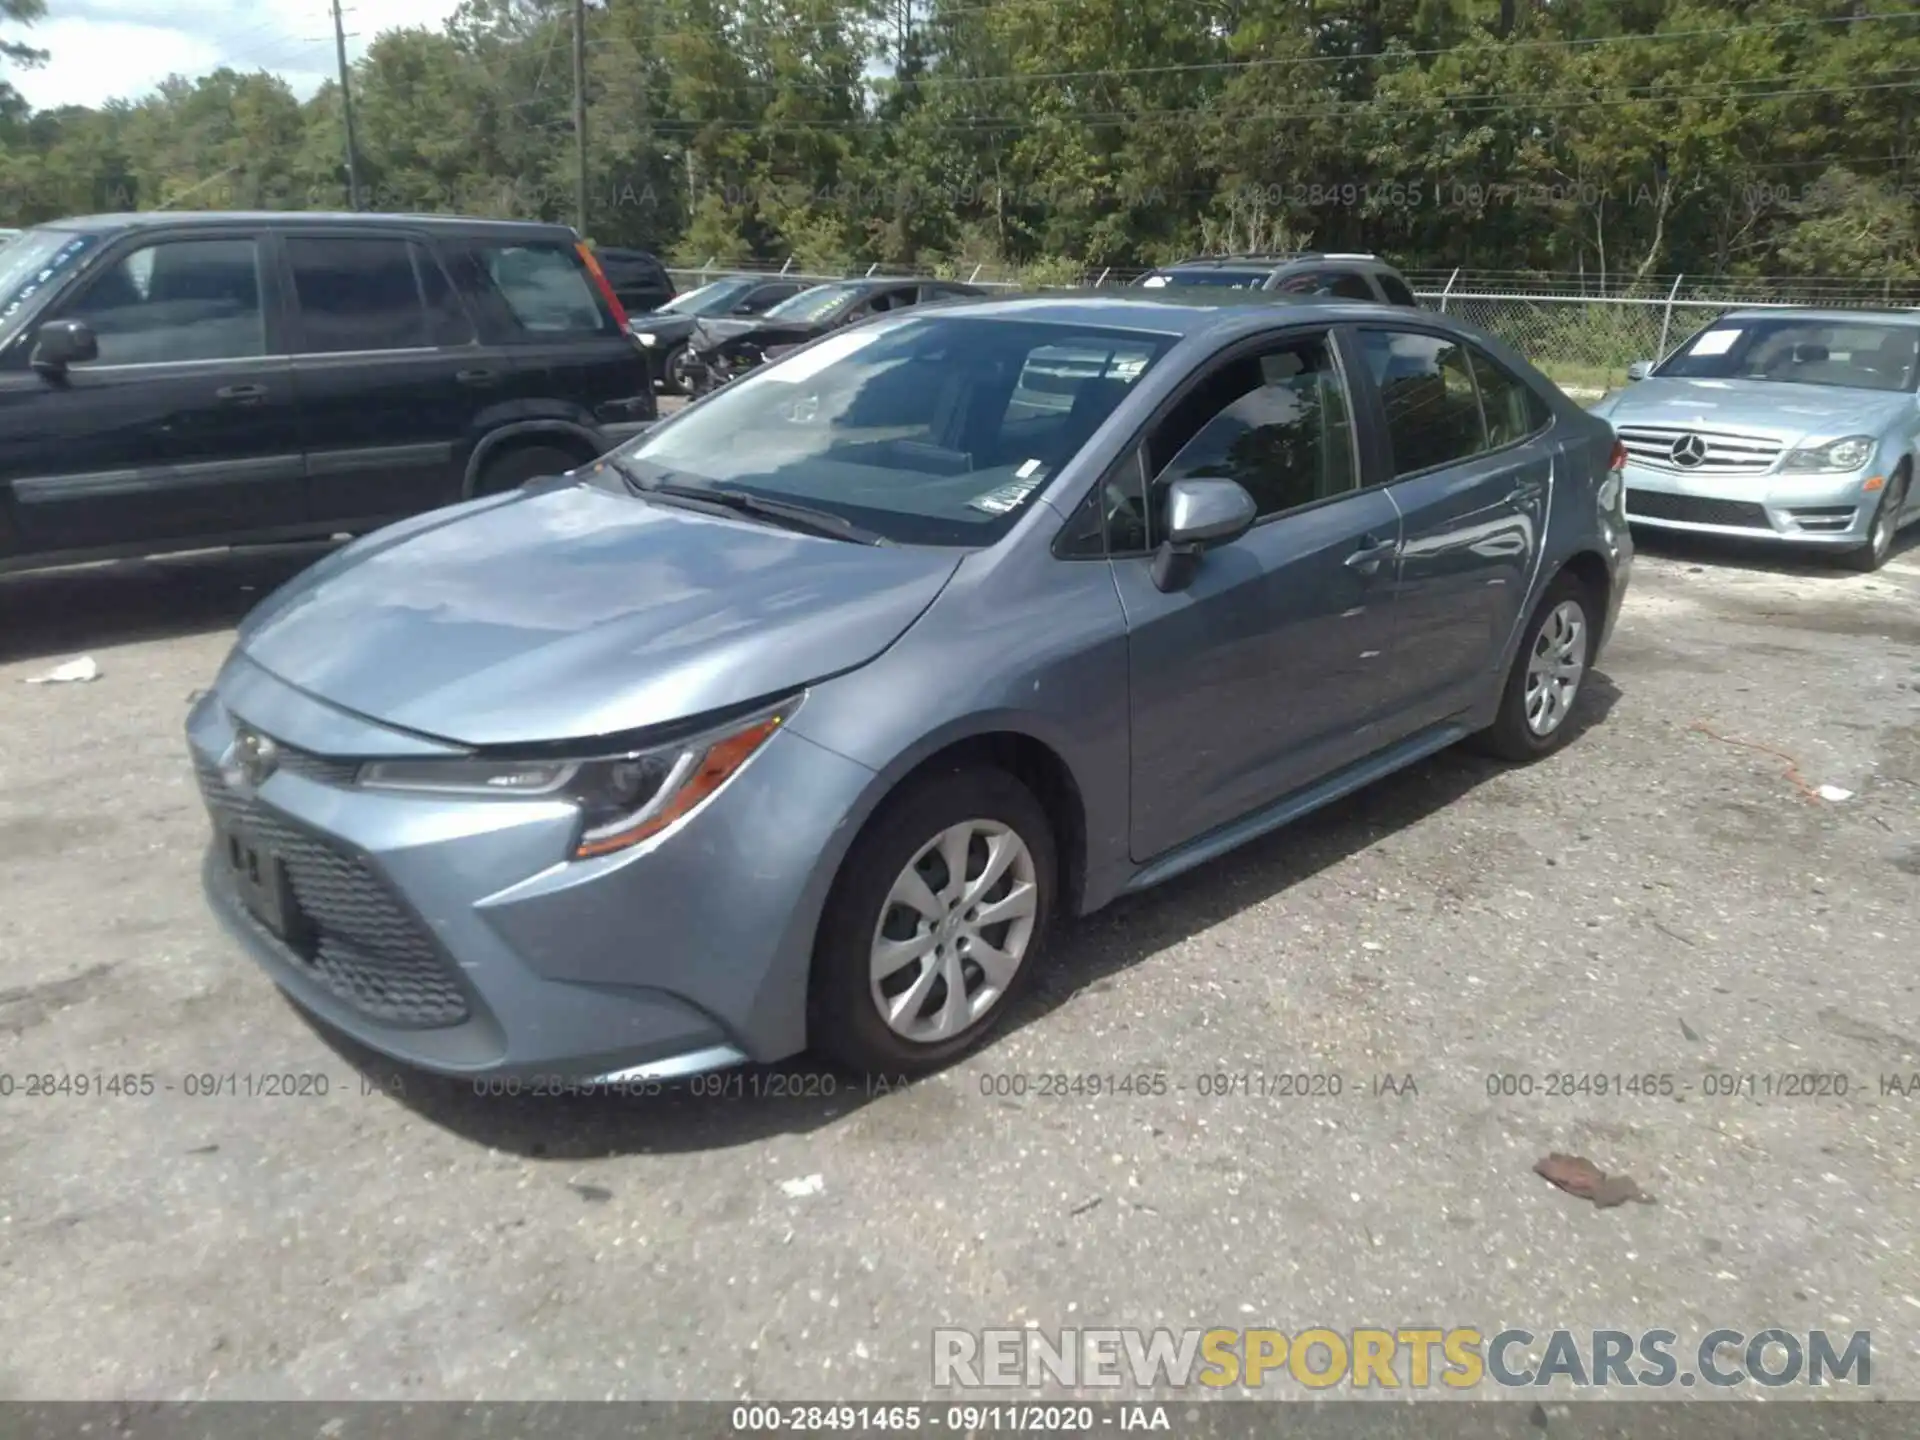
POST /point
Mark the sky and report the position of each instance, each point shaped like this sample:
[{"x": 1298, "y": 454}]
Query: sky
[{"x": 108, "y": 49}]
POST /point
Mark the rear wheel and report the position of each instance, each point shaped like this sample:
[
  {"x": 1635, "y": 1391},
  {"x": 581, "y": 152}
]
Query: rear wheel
[
  {"x": 1886, "y": 524},
  {"x": 1548, "y": 676},
  {"x": 524, "y": 463},
  {"x": 935, "y": 925}
]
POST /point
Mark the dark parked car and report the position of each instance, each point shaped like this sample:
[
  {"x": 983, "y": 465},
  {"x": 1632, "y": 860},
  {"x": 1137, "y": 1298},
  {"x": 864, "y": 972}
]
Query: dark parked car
[
  {"x": 721, "y": 349},
  {"x": 172, "y": 381},
  {"x": 638, "y": 279},
  {"x": 1348, "y": 277},
  {"x": 665, "y": 332},
  {"x": 805, "y": 716}
]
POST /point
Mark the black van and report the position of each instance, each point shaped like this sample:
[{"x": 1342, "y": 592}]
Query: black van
[{"x": 176, "y": 381}]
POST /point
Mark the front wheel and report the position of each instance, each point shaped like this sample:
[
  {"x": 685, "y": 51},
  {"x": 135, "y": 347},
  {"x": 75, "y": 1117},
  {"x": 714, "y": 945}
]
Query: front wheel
[
  {"x": 935, "y": 925},
  {"x": 1548, "y": 675},
  {"x": 676, "y": 372},
  {"x": 1886, "y": 522}
]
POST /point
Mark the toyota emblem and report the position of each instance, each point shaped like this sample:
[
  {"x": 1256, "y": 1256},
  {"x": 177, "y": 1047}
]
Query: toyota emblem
[
  {"x": 1689, "y": 451},
  {"x": 250, "y": 759}
]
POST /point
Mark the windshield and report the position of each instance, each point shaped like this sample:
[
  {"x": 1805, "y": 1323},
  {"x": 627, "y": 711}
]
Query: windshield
[
  {"x": 1858, "y": 355},
  {"x": 1231, "y": 279},
  {"x": 710, "y": 299},
  {"x": 36, "y": 259},
  {"x": 938, "y": 430},
  {"x": 817, "y": 303}
]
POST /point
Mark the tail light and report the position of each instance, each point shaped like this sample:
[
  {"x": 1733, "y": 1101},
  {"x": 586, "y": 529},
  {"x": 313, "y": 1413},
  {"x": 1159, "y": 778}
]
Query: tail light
[{"x": 601, "y": 283}]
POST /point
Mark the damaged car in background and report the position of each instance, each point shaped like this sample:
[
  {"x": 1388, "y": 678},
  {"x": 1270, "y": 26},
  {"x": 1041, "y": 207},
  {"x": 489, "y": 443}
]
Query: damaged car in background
[{"x": 723, "y": 348}]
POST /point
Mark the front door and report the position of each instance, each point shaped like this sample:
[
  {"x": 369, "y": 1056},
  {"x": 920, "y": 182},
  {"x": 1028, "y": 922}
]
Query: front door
[
  {"x": 1269, "y": 669},
  {"x": 389, "y": 376},
  {"x": 184, "y": 428},
  {"x": 1473, "y": 466}
]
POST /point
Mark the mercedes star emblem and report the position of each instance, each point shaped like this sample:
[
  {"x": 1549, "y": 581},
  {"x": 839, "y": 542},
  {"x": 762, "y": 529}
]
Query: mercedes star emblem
[
  {"x": 250, "y": 759},
  {"x": 1689, "y": 451}
]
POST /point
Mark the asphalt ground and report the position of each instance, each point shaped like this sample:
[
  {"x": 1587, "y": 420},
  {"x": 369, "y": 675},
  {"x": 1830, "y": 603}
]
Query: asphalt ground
[{"x": 1663, "y": 899}]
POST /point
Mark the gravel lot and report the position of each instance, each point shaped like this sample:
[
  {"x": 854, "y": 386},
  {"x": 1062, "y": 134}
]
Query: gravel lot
[{"x": 1655, "y": 899}]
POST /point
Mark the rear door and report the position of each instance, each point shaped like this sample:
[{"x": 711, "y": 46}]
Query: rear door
[
  {"x": 1467, "y": 446},
  {"x": 183, "y": 429},
  {"x": 387, "y": 370},
  {"x": 572, "y": 360}
]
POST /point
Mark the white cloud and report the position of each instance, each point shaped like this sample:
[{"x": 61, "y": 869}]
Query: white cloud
[{"x": 101, "y": 50}]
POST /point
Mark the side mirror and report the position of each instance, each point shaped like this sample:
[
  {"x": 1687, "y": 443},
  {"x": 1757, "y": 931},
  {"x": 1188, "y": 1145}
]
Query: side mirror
[
  {"x": 1639, "y": 369},
  {"x": 60, "y": 343},
  {"x": 1202, "y": 514}
]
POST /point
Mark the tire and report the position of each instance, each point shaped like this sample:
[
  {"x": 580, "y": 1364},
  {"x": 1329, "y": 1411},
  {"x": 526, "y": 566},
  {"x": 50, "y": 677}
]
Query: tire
[
  {"x": 1512, "y": 736},
  {"x": 1886, "y": 525},
  {"x": 512, "y": 469},
  {"x": 673, "y": 377},
  {"x": 845, "y": 1023}
]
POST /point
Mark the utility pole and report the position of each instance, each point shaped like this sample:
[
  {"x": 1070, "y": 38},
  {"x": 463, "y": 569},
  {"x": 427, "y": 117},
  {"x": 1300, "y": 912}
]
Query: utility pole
[
  {"x": 579, "y": 113},
  {"x": 346, "y": 110}
]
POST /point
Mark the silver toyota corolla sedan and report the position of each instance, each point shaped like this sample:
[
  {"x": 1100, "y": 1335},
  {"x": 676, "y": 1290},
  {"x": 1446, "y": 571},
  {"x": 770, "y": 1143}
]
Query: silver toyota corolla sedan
[
  {"x": 800, "y": 720},
  {"x": 1795, "y": 426}
]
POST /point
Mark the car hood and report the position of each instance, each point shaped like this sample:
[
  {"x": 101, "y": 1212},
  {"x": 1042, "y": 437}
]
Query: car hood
[
  {"x": 667, "y": 324},
  {"x": 1783, "y": 412},
  {"x": 727, "y": 335},
  {"x": 572, "y": 611}
]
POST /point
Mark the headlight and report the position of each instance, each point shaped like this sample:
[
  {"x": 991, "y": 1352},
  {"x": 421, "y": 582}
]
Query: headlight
[
  {"x": 1848, "y": 454},
  {"x": 622, "y": 799},
  {"x": 646, "y": 337}
]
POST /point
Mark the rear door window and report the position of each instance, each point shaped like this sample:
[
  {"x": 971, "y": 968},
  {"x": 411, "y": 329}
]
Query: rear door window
[
  {"x": 176, "y": 300},
  {"x": 1514, "y": 412},
  {"x": 545, "y": 288},
  {"x": 1433, "y": 408},
  {"x": 368, "y": 292}
]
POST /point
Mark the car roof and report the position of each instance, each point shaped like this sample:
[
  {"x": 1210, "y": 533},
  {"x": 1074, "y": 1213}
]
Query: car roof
[
  {"x": 1832, "y": 315},
  {"x": 1273, "y": 262},
  {"x": 1182, "y": 313},
  {"x": 150, "y": 219}
]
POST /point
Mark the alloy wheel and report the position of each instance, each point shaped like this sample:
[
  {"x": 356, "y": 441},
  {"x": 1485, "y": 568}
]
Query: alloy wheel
[
  {"x": 953, "y": 931},
  {"x": 1556, "y": 667}
]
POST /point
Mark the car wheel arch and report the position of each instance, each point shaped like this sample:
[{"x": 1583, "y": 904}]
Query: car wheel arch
[
  {"x": 1035, "y": 761},
  {"x": 562, "y": 434}
]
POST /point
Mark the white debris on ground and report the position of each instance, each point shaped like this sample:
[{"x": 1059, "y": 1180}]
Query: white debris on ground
[{"x": 74, "y": 670}]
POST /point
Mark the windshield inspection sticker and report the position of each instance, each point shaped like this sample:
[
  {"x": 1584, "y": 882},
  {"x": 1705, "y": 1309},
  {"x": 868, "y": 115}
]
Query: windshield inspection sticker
[
  {"x": 828, "y": 352},
  {"x": 1715, "y": 342},
  {"x": 1002, "y": 498}
]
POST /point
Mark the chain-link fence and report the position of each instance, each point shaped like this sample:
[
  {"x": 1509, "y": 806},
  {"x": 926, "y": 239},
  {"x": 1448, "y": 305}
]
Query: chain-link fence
[{"x": 1584, "y": 340}]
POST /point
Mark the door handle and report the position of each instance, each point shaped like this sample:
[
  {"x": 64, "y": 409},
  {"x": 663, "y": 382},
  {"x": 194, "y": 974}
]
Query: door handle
[
  {"x": 477, "y": 377},
  {"x": 1525, "y": 491},
  {"x": 1369, "y": 556},
  {"x": 242, "y": 394}
]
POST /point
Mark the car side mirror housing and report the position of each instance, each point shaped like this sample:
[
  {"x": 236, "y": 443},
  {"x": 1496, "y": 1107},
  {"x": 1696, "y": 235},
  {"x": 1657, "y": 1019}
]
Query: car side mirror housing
[
  {"x": 1202, "y": 514},
  {"x": 1639, "y": 369},
  {"x": 60, "y": 343}
]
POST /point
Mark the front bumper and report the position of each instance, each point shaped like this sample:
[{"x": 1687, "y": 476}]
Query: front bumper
[
  {"x": 453, "y": 935},
  {"x": 1833, "y": 511}
]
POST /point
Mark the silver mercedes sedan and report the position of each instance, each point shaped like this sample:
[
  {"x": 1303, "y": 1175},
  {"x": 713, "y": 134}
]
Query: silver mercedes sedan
[{"x": 1786, "y": 425}]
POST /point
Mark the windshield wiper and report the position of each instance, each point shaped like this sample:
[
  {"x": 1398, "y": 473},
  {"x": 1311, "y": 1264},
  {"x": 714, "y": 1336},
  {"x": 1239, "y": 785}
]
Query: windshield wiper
[{"x": 785, "y": 513}]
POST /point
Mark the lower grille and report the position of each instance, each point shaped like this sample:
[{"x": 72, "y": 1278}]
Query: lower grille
[
  {"x": 367, "y": 948},
  {"x": 1695, "y": 510}
]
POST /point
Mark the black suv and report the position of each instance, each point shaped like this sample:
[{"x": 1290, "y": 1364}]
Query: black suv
[
  {"x": 173, "y": 381},
  {"x": 638, "y": 278},
  {"x": 1351, "y": 277}
]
